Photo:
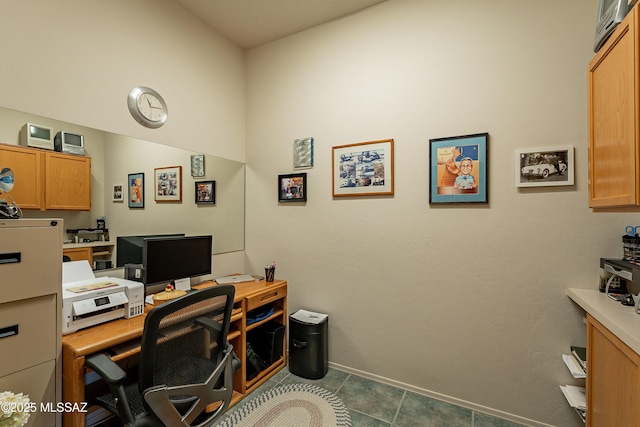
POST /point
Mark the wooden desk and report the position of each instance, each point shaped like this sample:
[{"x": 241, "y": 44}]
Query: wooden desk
[{"x": 120, "y": 340}]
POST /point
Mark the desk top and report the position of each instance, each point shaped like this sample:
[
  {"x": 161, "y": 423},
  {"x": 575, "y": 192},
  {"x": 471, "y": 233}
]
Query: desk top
[
  {"x": 621, "y": 320},
  {"x": 106, "y": 335}
]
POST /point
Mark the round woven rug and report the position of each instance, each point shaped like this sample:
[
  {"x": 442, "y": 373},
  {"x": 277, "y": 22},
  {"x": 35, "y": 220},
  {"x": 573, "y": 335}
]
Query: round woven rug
[{"x": 294, "y": 405}]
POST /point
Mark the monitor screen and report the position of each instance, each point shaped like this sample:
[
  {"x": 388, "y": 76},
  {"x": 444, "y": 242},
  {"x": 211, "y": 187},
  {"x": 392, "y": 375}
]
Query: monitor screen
[
  {"x": 129, "y": 248},
  {"x": 171, "y": 258}
]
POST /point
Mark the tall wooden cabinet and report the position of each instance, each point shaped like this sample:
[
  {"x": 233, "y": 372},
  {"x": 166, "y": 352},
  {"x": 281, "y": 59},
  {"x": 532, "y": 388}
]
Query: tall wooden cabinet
[
  {"x": 48, "y": 180},
  {"x": 613, "y": 379},
  {"x": 614, "y": 119},
  {"x": 30, "y": 318}
]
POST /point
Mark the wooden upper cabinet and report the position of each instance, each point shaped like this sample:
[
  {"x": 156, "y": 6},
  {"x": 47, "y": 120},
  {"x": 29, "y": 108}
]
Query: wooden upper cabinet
[
  {"x": 613, "y": 102},
  {"x": 27, "y": 170},
  {"x": 48, "y": 180},
  {"x": 68, "y": 182}
]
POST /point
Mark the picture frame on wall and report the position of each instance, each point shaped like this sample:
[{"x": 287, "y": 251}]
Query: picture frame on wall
[
  {"x": 118, "y": 193},
  {"x": 544, "y": 167},
  {"x": 135, "y": 184},
  {"x": 458, "y": 169},
  {"x": 197, "y": 165},
  {"x": 205, "y": 192},
  {"x": 303, "y": 153},
  {"x": 292, "y": 188},
  {"x": 363, "y": 169},
  {"x": 168, "y": 184}
]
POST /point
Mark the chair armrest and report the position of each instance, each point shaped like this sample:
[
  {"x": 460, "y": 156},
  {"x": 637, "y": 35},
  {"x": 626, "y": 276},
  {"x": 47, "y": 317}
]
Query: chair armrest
[{"x": 106, "y": 368}]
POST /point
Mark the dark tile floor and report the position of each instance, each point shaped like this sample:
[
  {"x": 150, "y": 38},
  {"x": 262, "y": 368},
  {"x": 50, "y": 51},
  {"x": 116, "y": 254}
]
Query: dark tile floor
[{"x": 374, "y": 404}]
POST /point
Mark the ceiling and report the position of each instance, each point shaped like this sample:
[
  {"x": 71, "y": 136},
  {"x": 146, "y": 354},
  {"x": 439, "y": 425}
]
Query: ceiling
[{"x": 250, "y": 23}]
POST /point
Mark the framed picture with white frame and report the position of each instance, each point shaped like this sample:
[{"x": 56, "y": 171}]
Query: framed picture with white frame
[{"x": 544, "y": 167}]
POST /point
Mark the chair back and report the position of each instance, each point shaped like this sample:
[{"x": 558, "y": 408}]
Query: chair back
[{"x": 184, "y": 352}]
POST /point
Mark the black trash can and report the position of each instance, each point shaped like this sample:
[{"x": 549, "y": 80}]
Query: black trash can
[{"x": 308, "y": 344}]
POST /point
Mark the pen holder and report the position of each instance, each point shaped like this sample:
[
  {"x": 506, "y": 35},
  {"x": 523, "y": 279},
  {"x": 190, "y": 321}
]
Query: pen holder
[{"x": 270, "y": 274}]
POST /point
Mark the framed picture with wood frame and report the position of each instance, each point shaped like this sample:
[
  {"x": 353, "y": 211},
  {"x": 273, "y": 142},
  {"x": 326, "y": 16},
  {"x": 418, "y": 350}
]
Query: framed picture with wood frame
[
  {"x": 168, "y": 184},
  {"x": 363, "y": 169}
]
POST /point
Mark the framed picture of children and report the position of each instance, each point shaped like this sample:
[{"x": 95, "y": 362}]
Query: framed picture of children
[
  {"x": 292, "y": 187},
  {"x": 458, "y": 169},
  {"x": 136, "y": 190},
  {"x": 205, "y": 193}
]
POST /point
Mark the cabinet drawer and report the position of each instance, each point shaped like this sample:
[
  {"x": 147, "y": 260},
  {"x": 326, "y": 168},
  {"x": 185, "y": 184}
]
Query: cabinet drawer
[
  {"x": 265, "y": 297},
  {"x": 28, "y": 331},
  {"x": 39, "y": 383},
  {"x": 30, "y": 257}
]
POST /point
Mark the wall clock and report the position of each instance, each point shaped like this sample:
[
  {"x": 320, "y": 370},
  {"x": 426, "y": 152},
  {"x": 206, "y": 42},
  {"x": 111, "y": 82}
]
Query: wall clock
[{"x": 147, "y": 107}]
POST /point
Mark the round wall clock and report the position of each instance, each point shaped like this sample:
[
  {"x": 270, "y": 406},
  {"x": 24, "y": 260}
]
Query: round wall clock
[{"x": 147, "y": 107}]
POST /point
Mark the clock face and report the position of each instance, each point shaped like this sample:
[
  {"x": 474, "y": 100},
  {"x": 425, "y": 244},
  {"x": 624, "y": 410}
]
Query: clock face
[
  {"x": 147, "y": 107},
  {"x": 150, "y": 107}
]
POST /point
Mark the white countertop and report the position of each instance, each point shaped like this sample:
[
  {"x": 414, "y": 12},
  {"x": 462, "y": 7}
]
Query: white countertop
[{"x": 620, "y": 319}]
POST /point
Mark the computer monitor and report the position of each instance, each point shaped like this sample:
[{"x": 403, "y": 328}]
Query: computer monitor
[
  {"x": 171, "y": 258},
  {"x": 129, "y": 248}
]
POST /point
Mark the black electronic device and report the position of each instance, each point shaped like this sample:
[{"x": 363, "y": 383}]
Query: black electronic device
[
  {"x": 610, "y": 14},
  {"x": 171, "y": 258},
  {"x": 129, "y": 248}
]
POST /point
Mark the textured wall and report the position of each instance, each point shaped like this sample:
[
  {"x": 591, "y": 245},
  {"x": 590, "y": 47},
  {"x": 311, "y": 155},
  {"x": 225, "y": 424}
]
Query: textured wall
[{"x": 467, "y": 300}]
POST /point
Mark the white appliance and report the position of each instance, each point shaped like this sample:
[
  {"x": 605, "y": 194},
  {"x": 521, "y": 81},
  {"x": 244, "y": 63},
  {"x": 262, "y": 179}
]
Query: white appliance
[
  {"x": 90, "y": 301},
  {"x": 38, "y": 136}
]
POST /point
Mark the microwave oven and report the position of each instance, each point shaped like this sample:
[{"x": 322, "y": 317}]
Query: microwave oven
[
  {"x": 71, "y": 143},
  {"x": 33, "y": 135}
]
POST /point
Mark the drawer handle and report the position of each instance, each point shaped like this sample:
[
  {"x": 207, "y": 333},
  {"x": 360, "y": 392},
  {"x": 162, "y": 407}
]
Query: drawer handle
[
  {"x": 265, "y": 297},
  {"x": 9, "y": 331},
  {"x": 10, "y": 257}
]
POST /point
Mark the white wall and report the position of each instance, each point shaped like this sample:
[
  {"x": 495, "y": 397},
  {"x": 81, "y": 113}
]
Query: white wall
[
  {"x": 467, "y": 301},
  {"x": 77, "y": 60}
]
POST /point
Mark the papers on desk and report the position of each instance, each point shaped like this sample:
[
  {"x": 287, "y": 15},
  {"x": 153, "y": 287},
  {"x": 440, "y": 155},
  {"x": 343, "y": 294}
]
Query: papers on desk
[{"x": 230, "y": 280}]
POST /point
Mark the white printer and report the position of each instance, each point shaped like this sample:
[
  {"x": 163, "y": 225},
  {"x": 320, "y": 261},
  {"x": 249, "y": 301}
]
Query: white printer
[{"x": 90, "y": 301}]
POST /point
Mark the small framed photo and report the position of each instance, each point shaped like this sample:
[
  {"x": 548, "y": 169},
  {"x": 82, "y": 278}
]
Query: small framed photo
[
  {"x": 118, "y": 193},
  {"x": 544, "y": 167},
  {"x": 135, "y": 184},
  {"x": 197, "y": 165},
  {"x": 206, "y": 193},
  {"x": 168, "y": 184},
  {"x": 458, "y": 169},
  {"x": 363, "y": 169},
  {"x": 292, "y": 187},
  {"x": 303, "y": 153}
]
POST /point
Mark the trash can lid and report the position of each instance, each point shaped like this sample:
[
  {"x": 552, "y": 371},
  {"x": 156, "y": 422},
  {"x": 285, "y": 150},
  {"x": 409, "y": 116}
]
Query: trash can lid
[{"x": 309, "y": 317}]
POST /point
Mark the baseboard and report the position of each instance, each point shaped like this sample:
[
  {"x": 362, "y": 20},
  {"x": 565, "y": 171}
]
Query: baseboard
[{"x": 442, "y": 397}]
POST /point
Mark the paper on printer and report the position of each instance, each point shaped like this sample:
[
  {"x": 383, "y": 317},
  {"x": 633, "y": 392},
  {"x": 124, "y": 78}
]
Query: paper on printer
[{"x": 88, "y": 301}]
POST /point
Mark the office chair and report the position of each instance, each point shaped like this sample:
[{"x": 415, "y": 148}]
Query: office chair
[{"x": 186, "y": 364}]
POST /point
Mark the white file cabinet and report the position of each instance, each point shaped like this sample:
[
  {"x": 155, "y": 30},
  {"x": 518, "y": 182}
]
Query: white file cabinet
[{"x": 30, "y": 303}]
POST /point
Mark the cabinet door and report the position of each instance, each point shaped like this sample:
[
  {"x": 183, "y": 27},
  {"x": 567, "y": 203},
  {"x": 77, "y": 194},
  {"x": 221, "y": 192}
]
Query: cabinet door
[
  {"x": 26, "y": 165},
  {"x": 68, "y": 182},
  {"x": 613, "y": 379},
  {"x": 613, "y": 101},
  {"x": 79, "y": 254}
]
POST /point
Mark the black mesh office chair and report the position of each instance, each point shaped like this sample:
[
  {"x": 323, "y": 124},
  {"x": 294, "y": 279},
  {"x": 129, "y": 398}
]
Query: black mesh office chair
[{"x": 186, "y": 364}]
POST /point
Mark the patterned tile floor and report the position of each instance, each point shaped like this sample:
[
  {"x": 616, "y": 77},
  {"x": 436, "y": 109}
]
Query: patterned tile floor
[{"x": 374, "y": 404}]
